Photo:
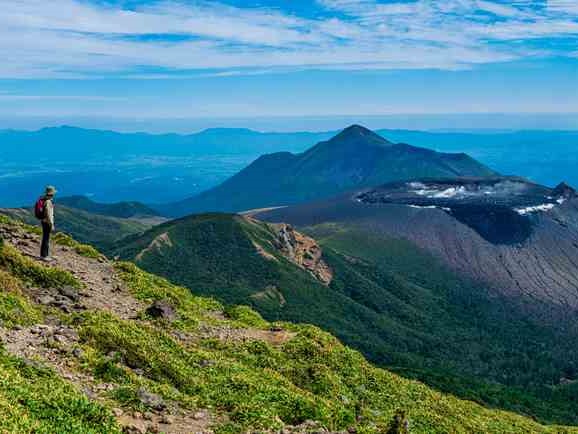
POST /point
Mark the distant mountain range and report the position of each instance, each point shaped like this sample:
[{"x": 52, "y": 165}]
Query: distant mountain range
[
  {"x": 354, "y": 158},
  {"x": 163, "y": 168},
  {"x": 78, "y": 144}
]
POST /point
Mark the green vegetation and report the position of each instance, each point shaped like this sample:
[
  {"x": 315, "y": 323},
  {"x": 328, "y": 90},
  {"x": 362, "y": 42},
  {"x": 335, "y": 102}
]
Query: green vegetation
[
  {"x": 459, "y": 335},
  {"x": 26, "y": 269},
  {"x": 94, "y": 229},
  {"x": 148, "y": 287},
  {"x": 246, "y": 316},
  {"x": 82, "y": 249},
  {"x": 14, "y": 308},
  {"x": 396, "y": 304},
  {"x": 214, "y": 256},
  {"x": 6, "y": 219},
  {"x": 247, "y": 379},
  {"x": 35, "y": 400},
  {"x": 259, "y": 385}
]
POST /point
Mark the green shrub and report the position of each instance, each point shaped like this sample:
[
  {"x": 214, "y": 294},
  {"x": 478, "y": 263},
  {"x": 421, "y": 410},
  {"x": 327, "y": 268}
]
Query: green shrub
[
  {"x": 36, "y": 400},
  {"x": 7, "y": 221},
  {"x": 148, "y": 287},
  {"x": 9, "y": 283},
  {"x": 252, "y": 396},
  {"x": 259, "y": 386},
  {"x": 17, "y": 310},
  {"x": 14, "y": 262},
  {"x": 246, "y": 317},
  {"x": 82, "y": 249}
]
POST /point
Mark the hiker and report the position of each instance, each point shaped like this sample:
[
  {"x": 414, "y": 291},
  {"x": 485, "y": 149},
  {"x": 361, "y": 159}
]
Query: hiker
[{"x": 44, "y": 210}]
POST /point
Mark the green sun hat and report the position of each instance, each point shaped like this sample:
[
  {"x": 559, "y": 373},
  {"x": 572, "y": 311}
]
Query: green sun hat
[{"x": 50, "y": 190}]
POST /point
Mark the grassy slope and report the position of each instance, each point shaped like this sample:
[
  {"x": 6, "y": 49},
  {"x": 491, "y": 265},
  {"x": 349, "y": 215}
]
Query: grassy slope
[
  {"x": 95, "y": 229},
  {"x": 397, "y": 305},
  {"x": 490, "y": 339},
  {"x": 251, "y": 384},
  {"x": 33, "y": 398}
]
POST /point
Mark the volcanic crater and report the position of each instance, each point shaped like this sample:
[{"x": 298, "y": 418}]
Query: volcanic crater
[{"x": 502, "y": 210}]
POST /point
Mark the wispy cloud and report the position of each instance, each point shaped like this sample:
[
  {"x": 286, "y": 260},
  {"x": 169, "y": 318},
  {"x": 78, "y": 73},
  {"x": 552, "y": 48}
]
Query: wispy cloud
[
  {"x": 564, "y": 6},
  {"x": 75, "y": 39},
  {"x": 13, "y": 97}
]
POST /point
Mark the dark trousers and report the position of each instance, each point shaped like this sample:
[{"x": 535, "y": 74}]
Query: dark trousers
[{"x": 45, "y": 247}]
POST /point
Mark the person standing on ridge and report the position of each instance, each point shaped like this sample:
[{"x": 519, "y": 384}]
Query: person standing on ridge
[{"x": 44, "y": 211}]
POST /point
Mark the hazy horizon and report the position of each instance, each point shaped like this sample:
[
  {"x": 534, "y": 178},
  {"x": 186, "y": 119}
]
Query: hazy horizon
[{"x": 463, "y": 122}]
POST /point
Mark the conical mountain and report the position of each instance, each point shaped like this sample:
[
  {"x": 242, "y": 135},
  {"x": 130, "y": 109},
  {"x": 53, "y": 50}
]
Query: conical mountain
[
  {"x": 358, "y": 135},
  {"x": 354, "y": 158}
]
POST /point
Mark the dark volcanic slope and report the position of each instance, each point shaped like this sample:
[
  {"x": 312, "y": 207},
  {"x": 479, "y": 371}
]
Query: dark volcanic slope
[
  {"x": 355, "y": 158},
  {"x": 519, "y": 237}
]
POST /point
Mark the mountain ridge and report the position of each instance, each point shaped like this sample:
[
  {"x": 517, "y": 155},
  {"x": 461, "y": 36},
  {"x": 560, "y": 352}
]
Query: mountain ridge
[
  {"x": 356, "y": 157},
  {"x": 72, "y": 144},
  {"x": 402, "y": 308},
  {"x": 126, "y": 209}
]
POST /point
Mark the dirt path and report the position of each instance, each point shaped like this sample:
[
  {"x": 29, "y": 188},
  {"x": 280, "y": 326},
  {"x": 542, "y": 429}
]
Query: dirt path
[{"x": 103, "y": 290}]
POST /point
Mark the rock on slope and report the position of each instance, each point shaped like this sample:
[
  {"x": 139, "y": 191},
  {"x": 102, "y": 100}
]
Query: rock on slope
[
  {"x": 298, "y": 248},
  {"x": 80, "y": 354}
]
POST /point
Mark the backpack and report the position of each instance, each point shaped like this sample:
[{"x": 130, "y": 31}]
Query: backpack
[{"x": 40, "y": 209}]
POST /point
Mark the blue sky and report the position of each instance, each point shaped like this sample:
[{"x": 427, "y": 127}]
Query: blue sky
[{"x": 152, "y": 59}]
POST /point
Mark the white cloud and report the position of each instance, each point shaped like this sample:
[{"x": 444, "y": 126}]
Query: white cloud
[
  {"x": 498, "y": 9},
  {"x": 564, "y": 6},
  {"x": 162, "y": 18},
  {"x": 73, "y": 38}
]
